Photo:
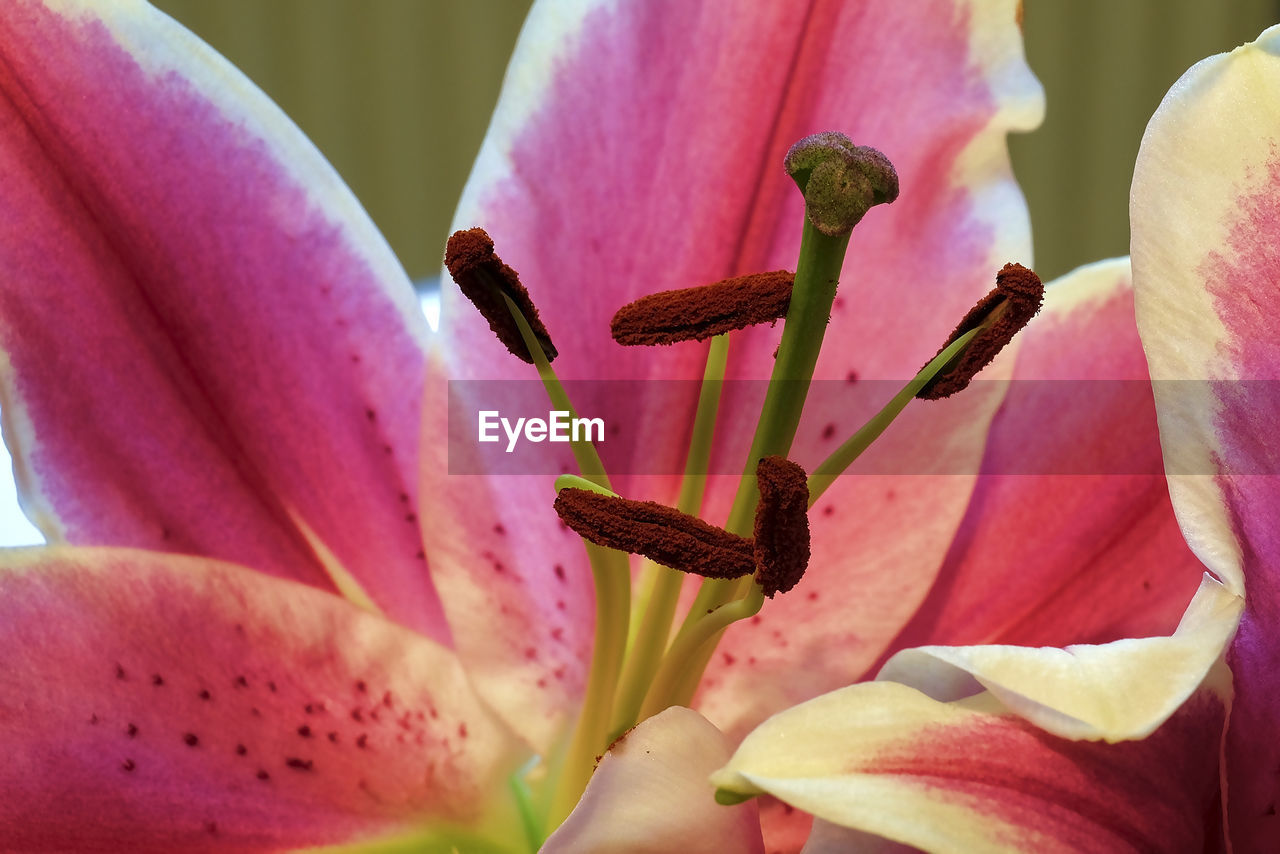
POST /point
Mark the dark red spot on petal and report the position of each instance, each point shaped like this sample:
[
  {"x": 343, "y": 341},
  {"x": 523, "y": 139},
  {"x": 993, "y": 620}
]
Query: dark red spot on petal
[
  {"x": 191, "y": 739},
  {"x": 298, "y": 764}
]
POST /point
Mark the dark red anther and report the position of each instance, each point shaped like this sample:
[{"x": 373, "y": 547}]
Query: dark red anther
[
  {"x": 484, "y": 279},
  {"x": 782, "y": 525},
  {"x": 661, "y": 533},
  {"x": 1001, "y": 314},
  {"x": 695, "y": 314}
]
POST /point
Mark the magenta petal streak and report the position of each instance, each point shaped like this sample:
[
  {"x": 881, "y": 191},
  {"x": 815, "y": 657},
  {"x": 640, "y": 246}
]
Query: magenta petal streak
[
  {"x": 1159, "y": 794},
  {"x": 1242, "y": 278},
  {"x": 204, "y": 335}
]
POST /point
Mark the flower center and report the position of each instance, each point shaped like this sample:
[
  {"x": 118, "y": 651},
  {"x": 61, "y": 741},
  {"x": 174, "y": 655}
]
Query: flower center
[{"x": 642, "y": 663}]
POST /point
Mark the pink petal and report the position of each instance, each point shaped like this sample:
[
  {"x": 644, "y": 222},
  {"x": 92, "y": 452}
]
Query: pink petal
[
  {"x": 1117, "y": 691},
  {"x": 162, "y": 703},
  {"x": 638, "y": 147},
  {"x": 205, "y": 336},
  {"x": 1205, "y": 226},
  {"x": 882, "y": 759},
  {"x": 828, "y": 838},
  {"x": 878, "y": 543},
  {"x": 650, "y": 795},
  {"x": 1089, "y": 552},
  {"x": 785, "y": 829}
]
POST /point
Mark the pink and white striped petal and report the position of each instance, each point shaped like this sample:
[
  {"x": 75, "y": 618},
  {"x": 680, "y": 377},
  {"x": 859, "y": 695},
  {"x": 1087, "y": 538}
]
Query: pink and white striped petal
[
  {"x": 1070, "y": 536},
  {"x": 638, "y": 147},
  {"x": 207, "y": 346},
  {"x": 1116, "y": 691},
  {"x": 948, "y": 778},
  {"x": 1206, "y": 225},
  {"x": 163, "y": 703},
  {"x": 650, "y": 795}
]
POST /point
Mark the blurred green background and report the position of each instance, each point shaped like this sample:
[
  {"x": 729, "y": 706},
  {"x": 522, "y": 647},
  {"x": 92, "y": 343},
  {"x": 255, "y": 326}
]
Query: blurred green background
[{"x": 397, "y": 94}]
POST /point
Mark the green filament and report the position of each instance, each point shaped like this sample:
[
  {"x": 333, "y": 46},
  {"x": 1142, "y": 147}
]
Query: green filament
[
  {"x": 612, "y": 575},
  {"x": 661, "y": 585}
]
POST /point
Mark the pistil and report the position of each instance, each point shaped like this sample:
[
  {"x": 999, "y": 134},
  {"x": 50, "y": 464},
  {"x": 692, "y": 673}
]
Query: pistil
[{"x": 840, "y": 182}]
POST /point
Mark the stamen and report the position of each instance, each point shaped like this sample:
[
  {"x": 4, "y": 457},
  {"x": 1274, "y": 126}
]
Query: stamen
[
  {"x": 656, "y": 531},
  {"x": 782, "y": 525},
  {"x": 695, "y": 314},
  {"x": 1015, "y": 299},
  {"x": 484, "y": 279}
]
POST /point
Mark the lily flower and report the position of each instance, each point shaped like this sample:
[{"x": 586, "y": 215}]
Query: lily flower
[{"x": 269, "y": 618}]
